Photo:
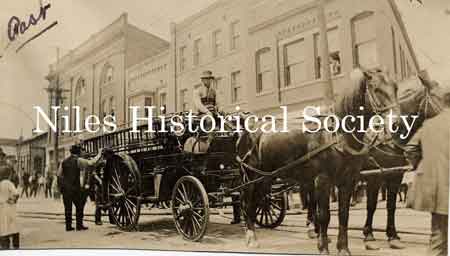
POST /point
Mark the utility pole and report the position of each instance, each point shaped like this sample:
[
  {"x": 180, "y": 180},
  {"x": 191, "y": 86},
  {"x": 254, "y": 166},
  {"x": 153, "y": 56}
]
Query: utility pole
[
  {"x": 325, "y": 54},
  {"x": 56, "y": 95}
]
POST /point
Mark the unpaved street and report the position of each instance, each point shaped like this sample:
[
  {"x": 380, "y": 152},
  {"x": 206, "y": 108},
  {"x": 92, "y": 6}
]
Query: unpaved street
[{"x": 44, "y": 228}]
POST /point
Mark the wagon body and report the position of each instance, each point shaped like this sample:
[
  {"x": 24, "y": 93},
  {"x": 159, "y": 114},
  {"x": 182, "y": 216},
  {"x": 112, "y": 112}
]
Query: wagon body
[{"x": 153, "y": 167}]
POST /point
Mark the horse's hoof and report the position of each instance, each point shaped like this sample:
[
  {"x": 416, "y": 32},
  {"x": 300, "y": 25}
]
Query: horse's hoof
[
  {"x": 396, "y": 244},
  {"x": 312, "y": 234},
  {"x": 251, "y": 240},
  {"x": 253, "y": 245},
  {"x": 324, "y": 252},
  {"x": 344, "y": 252},
  {"x": 369, "y": 238},
  {"x": 371, "y": 245}
]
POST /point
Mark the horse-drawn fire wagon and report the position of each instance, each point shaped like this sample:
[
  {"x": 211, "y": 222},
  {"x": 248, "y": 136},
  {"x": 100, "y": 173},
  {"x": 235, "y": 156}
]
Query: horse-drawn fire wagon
[{"x": 154, "y": 167}]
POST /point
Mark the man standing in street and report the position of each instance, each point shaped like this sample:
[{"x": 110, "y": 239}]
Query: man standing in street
[
  {"x": 70, "y": 186},
  {"x": 25, "y": 183},
  {"x": 428, "y": 151}
]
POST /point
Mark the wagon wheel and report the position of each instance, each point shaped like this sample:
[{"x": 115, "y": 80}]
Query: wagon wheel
[
  {"x": 190, "y": 208},
  {"x": 270, "y": 211},
  {"x": 124, "y": 189}
]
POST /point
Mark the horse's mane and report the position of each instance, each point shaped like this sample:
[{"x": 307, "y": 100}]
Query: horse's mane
[{"x": 353, "y": 95}]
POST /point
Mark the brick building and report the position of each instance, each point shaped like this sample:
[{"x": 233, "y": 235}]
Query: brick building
[
  {"x": 266, "y": 53},
  {"x": 93, "y": 75}
]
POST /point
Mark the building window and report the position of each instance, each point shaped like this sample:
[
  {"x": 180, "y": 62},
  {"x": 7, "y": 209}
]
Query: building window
[
  {"x": 104, "y": 111},
  {"x": 163, "y": 102},
  {"x": 217, "y": 43},
  {"x": 84, "y": 114},
  {"x": 263, "y": 70},
  {"x": 183, "y": 100},
  {"x": 294, "y": 63},
  {"x": 148, "y": 102},
  {"x": 364, "y": 41},
  {"x": 334, "y": 49},
  {"x": 112, "y": 106},
  {"x": 236, "y": 94},
  {"x": 197, "y": 46},
  {"x": 182, "y": 58},
  {"x": 394, "y": 50},
  {"x": 235, "y": 35},
  {"x": 80, "y": 88}
]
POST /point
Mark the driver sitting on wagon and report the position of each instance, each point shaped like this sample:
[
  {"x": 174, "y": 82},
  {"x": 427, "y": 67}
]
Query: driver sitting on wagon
[
  {"x": 204, "y": 99},
  {"x": 205, "y": 96}
]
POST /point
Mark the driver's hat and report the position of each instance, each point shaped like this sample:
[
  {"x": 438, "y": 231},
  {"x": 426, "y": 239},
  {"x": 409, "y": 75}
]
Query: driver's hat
[{"x": 207, "y": 75}]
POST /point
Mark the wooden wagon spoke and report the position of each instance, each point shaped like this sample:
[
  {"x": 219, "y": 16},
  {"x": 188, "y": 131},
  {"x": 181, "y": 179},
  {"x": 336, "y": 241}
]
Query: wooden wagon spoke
[
  {"x": 198, "y": 215},
  {"x": 196, "y": 221},
  {"x": 182, "y": 195},
  {"x": 131, "y": 202},
  {"x": 275, "y": 205},
  {"x": 194, "y": 225},
  {"x": 274, "y": 212},
  {"x": 269, "y": 213},
  {"x": 185, "y": 193}
]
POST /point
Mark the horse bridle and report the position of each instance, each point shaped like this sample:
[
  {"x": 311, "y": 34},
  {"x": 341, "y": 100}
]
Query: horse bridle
[
  {"x": 427, "y": 101},
  {"x": 376, "y": 105}
]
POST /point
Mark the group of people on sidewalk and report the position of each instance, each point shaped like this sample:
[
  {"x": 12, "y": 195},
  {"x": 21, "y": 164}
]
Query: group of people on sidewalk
[{"x": 36, "y": 184}]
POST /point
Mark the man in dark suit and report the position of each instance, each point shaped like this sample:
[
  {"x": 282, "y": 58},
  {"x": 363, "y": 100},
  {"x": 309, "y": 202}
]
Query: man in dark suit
[{"x": 70, "y": 186}]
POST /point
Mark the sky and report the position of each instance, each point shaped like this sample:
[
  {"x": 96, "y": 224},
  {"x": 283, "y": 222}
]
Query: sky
[{"x": 22, "y": 74}]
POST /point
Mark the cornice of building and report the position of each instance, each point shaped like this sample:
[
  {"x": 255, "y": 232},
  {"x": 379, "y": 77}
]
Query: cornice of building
[
  {"x": 113, "y": 30},
  {"x": 165, "y": 53},
  {"x": 189, "y": 20}
]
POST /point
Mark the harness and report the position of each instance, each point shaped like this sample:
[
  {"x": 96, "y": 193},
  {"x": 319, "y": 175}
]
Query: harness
[{"x": 377, "y": 109}]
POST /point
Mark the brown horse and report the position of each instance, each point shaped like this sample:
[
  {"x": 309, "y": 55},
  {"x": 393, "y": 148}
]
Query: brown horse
[
  {"x": 371, "y": 93},
  {"x": 419, "y": 98}
]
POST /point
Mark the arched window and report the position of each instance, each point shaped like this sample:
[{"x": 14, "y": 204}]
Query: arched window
[
  {"x": 107, "y": 75},
  {"x": 80, "y": 87}
]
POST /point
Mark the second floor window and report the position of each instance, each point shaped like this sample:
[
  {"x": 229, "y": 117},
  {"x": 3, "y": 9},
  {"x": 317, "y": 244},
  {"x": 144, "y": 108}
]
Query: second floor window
[
  {"x": 263, "y": 70},
  {"x": 295, "y": 63},
  {"x": 236, "y": 94},
  {"x": 235, "y": 35},
  {"x": 182, "y": 58},
  {"x": 334, "y": 49},
  {"x": 217, "y": 43},
  {"x": 364, "y": 41},
  {"x": 197, "y": 47}
]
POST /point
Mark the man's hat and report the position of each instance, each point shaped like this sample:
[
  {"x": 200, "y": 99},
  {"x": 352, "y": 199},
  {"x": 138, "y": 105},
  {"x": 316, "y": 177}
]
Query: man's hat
[
  {"x": 207, "y": 75},
  {"x": 75, "y": 149}
]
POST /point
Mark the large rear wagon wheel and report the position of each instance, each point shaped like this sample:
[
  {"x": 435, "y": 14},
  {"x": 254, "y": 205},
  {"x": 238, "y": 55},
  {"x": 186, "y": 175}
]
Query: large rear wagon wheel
[
  {"x": 124, "y": 189},
  {"x": 190, "y": 208},
  {"x": 270, "y": 211}
]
